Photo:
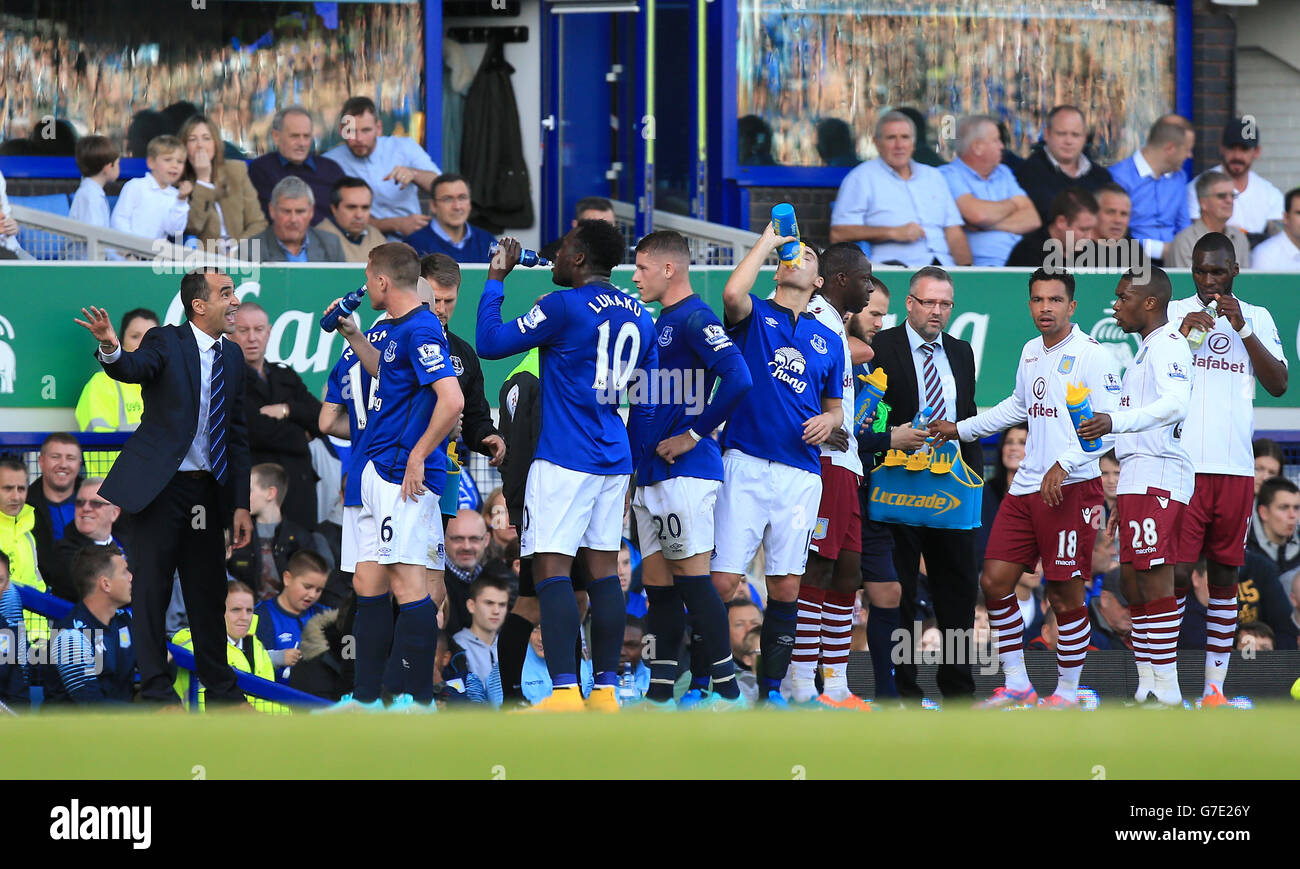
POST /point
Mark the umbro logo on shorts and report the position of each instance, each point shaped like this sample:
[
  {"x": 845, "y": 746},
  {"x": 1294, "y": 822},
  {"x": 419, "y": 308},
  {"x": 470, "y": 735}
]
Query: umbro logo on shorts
[{"x": 1164, "y": 502}]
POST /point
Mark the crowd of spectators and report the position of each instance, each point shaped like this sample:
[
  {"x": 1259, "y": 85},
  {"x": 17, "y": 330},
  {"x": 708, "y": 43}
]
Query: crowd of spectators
[
  {"x": 990, "y": 208},
  {"x": 292, "y": 204}
]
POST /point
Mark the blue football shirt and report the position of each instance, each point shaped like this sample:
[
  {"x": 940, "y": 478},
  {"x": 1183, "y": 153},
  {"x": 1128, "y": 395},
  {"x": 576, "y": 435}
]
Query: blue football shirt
[
  {"x": 413, "y": 356},
  {"x": 350, "y": 386},
  {"x": 592, "y": 339},
  {"x": 795, "y": 362},
  {"x": 692, "y": 344}
]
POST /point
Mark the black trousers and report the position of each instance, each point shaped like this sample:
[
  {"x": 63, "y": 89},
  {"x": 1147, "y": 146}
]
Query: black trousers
[
  {"x": 182, "y": 530},
  {"x": 954, "y": 584}
]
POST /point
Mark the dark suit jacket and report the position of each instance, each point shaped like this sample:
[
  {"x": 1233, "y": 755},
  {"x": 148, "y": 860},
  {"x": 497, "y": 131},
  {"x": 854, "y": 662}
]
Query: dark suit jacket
[
  {"x": 167, "y": 367},
  {"x": 894, "y": 355},
  {"x": 321, "y": 247}
]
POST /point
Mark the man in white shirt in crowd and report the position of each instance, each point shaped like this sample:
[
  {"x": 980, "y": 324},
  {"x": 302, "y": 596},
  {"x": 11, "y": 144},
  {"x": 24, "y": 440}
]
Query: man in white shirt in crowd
[
  {"x": 1281, "y": 253},
  {"x": 902, "y": 208},
  {"x": 995, "y": 207},
  {"x": 395, "y": 167},
  {"x": 1258, "y": 201},
  {"x": 1239, "y": 345}
]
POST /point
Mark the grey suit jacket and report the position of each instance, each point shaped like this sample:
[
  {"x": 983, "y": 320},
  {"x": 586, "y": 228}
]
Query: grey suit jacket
[{"x": 321, "y": 247}]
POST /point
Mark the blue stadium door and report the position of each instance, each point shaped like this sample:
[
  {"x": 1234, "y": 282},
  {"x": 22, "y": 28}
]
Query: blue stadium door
[{"x": 591, "y": 106}]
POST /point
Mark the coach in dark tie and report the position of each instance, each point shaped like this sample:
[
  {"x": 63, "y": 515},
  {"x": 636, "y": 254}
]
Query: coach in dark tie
[
  {"x": 928, "y": 367},
  {"x": 184, "y": 474}
]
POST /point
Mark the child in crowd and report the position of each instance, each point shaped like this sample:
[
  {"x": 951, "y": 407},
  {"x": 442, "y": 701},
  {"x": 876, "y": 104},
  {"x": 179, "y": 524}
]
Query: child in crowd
[
  {"x": 100, "y": 164},
  {"x": 280, "y": 621},
  {"x": 150, "y": 206}
]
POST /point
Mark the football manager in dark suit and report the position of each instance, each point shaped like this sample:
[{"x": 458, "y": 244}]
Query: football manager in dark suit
[
  {"x": 184, "y": 475},
  {"x": 928, "y": 367}
]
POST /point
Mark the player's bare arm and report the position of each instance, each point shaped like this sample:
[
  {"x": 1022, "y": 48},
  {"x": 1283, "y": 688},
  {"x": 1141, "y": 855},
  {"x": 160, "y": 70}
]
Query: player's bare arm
[
  {"x": 819, "y": 428},
  {"x": 505, "y": 259},
  {"x": 735, "y": 295},
  {"x": 1098, "y": 425},
  {"x": 670, "y": 448},
  {"x": 495, "y": 445},
  {"x": 838, "y": 440},
  {"x": 1196, "y": 320},
  {"x": 1051, "y": 485},
  {"x": 943, "y": 431},
  {"x": 366, "y": 353},
  {"x": 1271, "y": 372},
  {"x": 446, "y": 413},
  {"x": 333, "y": 420},
  {"x": 907, "y": 438}
]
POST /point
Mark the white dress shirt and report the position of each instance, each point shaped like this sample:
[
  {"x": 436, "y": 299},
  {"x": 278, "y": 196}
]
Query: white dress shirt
[
  {"x": 197, "y": 457},
  {"x": 1277, "y": 254},
  {"x": 90, "y": 205},
  {"x": 389, "y": 198},
  {"x": 941, "y": 365},
  {"x": 146, "y": 208}
]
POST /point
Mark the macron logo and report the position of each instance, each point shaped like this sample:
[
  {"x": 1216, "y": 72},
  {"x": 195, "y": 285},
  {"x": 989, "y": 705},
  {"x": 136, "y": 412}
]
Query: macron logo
[{"x": 131, "y": 823}]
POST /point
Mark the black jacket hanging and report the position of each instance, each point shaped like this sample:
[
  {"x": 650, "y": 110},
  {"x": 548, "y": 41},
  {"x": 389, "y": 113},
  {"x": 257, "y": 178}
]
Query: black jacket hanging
[{"x": 492, "y": 153}]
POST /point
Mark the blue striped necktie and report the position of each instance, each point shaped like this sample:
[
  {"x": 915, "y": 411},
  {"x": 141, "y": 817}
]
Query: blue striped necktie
[
  {"x": 217, "y": 417},
  {"x": 933, "y": 385}
]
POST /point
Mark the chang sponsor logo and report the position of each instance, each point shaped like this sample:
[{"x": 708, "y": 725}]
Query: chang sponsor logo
[{"x": 788, "y": 366}]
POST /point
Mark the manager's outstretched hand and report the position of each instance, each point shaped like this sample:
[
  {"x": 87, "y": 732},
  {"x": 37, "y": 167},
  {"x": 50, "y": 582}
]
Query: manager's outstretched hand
[{"x": 98, "y": 324}]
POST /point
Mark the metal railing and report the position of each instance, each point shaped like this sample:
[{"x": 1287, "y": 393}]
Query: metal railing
[
  {"x": 49, "y": 236},
  {"x": 712, "y": 244}
]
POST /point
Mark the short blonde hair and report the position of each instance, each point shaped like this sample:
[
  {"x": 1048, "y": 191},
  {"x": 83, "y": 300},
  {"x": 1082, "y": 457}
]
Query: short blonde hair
[{"x": 160, "y": 145}]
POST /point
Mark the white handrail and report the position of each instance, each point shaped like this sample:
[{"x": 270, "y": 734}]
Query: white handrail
[
  {"x": 98, "y": 241},
  {"x": 711, "y": 243}
]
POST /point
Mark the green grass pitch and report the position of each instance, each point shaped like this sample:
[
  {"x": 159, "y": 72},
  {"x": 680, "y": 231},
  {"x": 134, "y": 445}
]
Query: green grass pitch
[{"x": 1115, "y": 743}]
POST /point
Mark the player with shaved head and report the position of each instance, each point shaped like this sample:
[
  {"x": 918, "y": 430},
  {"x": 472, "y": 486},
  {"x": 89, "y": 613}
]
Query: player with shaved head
[
  {"x": 1241, "y": 345},
  {"x": 1156, "y": 476}
]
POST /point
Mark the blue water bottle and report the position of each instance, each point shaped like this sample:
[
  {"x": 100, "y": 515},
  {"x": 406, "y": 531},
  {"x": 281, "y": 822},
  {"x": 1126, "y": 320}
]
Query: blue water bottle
[
  {"x": 1079, "y": 406},
  {"x": 783, "y": 220},
  {"x": 345, "y": 307},
  {"x": 527, "y": 258}
]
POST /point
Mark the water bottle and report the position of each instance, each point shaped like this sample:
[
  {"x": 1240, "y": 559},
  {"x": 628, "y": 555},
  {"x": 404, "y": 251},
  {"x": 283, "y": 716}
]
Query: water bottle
[
  {"x": 922, "y": 419},
  {"x": 626, "y": 685},
  {"x": 791, "y": 253},
  {"x": 527, "y": 258},
  {"x": 1079, "y": 405},
  {"x": 350, "y": 303},
  {"x": 1196, "y": 337},
  {"x": 869, "y": 395}
]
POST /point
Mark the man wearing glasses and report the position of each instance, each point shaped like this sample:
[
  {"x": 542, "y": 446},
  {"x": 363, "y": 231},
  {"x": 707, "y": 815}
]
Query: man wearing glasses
[
  {"x": 1217, "y": 198},
  {"x": 450, "y": 231},
  {"x": 929, "y": 368},
  {"x": 92, "y": 526}
]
